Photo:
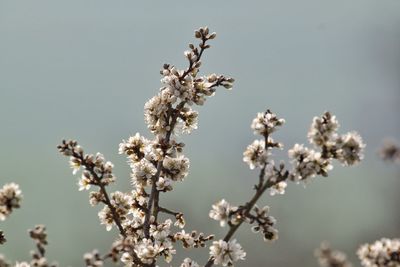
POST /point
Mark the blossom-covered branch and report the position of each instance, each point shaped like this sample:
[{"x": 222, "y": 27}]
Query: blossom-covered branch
[
  {"x": 10, "y": 199},
  {"x": 39, "y": 235},
  {"x": 306, "y": 163},
  {"x": 156, "y": 165}
]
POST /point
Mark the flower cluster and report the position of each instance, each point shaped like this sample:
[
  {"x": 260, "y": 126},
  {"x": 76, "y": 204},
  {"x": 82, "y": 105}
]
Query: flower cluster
[
  {"x": 97, "y": 171},
  {"x": 381, "y": 253},
  {"x": 183, "y": 87},
  {"x": 390, "y": 151},
  {"x": 347, "y": 149},
  {"x": 39, "y": 235},
  {"x": 266, "y": 123},
  {"x": 306, "y": 163},
  {"x": 10, "y": 199},
  {"x": 331, "y": 258}
]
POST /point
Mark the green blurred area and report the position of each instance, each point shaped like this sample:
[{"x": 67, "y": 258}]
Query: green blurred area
[{"x": 84, "y": 69}]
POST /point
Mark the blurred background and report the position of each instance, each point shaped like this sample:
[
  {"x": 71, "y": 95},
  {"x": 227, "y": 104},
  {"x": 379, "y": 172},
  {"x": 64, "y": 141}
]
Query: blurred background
[{"x": 84, "y": 69}]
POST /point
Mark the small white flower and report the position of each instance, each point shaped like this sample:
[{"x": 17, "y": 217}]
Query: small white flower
[
  {"x": 278, "y": 188},
  {"x": 221, "y": 212},
  {"x": 75, "y": 165},
  {"x": 255, "y": 154},
  {"x": 226, "y": 253},
  {"x": 106, "y": 218},
  {"x": 127, "y": 259},
  {"x": 134, "y": 148},
  {"x": 186, "y": 238},
  {"x": 84, "y": 183}
]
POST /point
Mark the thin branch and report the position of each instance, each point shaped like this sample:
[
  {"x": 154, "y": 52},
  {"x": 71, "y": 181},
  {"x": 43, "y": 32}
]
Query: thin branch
[
  {"x": 167, "y": 211},
  {"x": 107, "y": 201},
  {"x": 260, "y": 189},
  {"x": 154, "y": 192}
]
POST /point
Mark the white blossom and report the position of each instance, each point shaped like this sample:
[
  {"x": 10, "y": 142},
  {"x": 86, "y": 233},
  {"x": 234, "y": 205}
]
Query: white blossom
[
  {"x": 85, "y": 182},
  {"x": 307, "y": 163},
  {"x": 160, "y": 231},
  {"x": 351, "y": 148},
  {"x": 323, "y": 129},
  {"x": 278, "y": 188},
  {"x": 188, "y": 118},
  {"x": 75, "y": 164},
  {"x": 134, "y": 147},
  {"x": 155, "y": 114},
  {"x": 189, "y": 263},
  {"x": 10, "y": 199},
  {"x": 255, "y": 154},
  {"x": 266, "y": 123},
  {"x": 221, "y": 212},
  {"x": 127, "y": 259},
  {"x": 164, "y": 184},
  {"x": 226, "y": 253},
  {"x": 176, "y": 168},
  {"x": 146, "y": 250}
]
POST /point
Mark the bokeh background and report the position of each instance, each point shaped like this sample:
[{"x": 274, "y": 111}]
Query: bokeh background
[{"x": 84, "y": 69}]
